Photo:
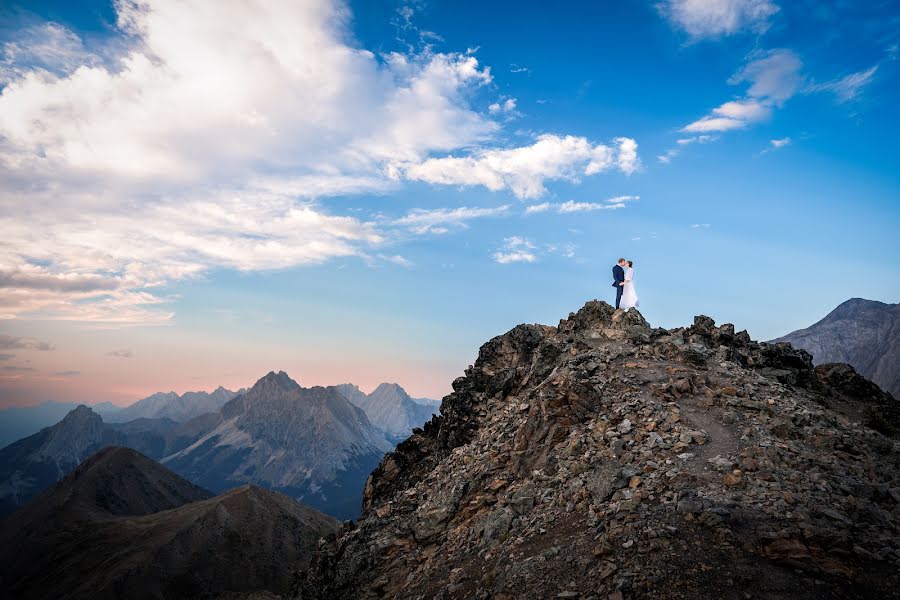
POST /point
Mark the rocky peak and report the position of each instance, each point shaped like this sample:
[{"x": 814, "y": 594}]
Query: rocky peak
[
  {"x": 606, "y": 458},
  {"x": 279, "y": 379}
]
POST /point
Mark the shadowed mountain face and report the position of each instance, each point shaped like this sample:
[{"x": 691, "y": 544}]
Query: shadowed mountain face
[
  {"x": 862, "y": 333},
  {"x": 604, "y": 458},
  {"x": 18, "y": 422},
  {"x": 169, "y": 405},
  {"x": 310, "y": 443},
  {"x": 31, "y": 465},
  {"x": 390, "y": 409},
  {"x": 169, "y": 538}
]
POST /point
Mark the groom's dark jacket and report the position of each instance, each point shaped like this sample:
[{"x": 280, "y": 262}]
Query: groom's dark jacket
[{"x": 618, "y": 276}]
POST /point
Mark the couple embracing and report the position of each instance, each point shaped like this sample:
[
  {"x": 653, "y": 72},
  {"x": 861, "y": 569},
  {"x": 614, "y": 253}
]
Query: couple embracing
[{"x": 623, "y": 281}]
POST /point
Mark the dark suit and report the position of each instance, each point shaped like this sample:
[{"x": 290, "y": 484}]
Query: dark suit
[{"x": 618, "y": 279}]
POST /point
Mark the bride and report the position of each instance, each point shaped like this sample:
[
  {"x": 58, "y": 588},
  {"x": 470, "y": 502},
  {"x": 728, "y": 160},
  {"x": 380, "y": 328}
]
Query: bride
[{"x": 629, "y": 295}]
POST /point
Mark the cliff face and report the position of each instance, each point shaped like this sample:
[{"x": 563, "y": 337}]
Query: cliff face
[
  {"x": 603, "y": 457},
  {"x": 863, "y": 333}
]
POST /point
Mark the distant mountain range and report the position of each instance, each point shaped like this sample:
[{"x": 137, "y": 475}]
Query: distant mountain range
[
  {"x": 169, "y": 405},
  {"x": 391, "y": 409},
  {"x": 18, "y": 422},
  {"x": 169, "y": 538},
  {"x": 310, "y": 443},
  {"x": 32, "y": 464},
  {"x": 862, "y": 333}
]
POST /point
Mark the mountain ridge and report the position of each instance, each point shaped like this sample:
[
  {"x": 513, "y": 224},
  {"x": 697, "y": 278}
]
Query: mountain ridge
[
  {"x": 862, "y": 333},
  {"x": 607, "y": 458},
  {"x": 168, "y": 538}
]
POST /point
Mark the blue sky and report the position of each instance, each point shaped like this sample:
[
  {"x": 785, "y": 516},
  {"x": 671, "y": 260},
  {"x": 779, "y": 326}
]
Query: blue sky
[{"x": 196, "y": 193}]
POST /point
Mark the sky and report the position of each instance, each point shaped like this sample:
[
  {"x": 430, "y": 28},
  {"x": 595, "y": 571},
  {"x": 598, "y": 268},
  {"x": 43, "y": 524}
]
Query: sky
[{"x": 194, "y": 193}]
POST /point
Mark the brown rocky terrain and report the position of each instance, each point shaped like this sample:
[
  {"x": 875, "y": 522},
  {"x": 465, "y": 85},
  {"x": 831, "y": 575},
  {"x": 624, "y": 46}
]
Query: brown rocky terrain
[{"x": 607, "y": 459}]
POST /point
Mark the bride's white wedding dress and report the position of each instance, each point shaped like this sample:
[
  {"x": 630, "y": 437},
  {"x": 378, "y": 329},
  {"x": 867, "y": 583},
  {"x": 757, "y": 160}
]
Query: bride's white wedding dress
[{"x": 629, "y": 295}]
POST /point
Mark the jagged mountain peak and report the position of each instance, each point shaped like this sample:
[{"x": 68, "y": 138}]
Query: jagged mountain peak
[
  {"x": 604, "y": 457},
  {"x": 280, "y": 379},
  {"x": 81, "y": 413}
]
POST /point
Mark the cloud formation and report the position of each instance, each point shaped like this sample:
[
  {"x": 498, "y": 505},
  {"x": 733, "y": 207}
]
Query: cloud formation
[
  {"x": 772, "y": 79},
  {"x": 9, "y": 342},
  {"x": 515, "y": 250},
  {"x": 570, "y": 206},
  {"x": 440, "y": 220},
  {"x": 109, "y": 192},
  {"x": 717, "y": 18},
  {"x": 526, "y": 169},
  {"x": 847, "y": 88}
]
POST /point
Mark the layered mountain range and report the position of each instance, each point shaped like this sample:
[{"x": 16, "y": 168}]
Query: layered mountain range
[
  {"x": 310, "y": 443},
  {"x": 123, "y": 526},
  {"x": 604, "y": 458},
  {"x": 30, "y": 465},
  {"x": 179, "y": 408},
  {"x": 862, "y": 333}
]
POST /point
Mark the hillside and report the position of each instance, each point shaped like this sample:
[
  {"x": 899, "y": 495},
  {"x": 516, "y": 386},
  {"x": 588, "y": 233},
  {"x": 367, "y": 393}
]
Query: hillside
[
  {"x": 123, "y": 526},
  {"x": 604, "y": 458}
]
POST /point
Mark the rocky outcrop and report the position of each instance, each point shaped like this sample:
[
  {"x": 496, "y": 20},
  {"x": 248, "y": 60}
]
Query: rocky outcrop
[
  {"x": 123, "y": 526},
  {"x": 604, "y": 458},
  {"x": 862, "y": 333}
]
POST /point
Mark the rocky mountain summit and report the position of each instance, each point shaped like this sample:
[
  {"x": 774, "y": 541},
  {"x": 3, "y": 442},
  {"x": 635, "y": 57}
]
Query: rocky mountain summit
[
  {"x": 607, "y": 459},
  {"x": 862, "y": 333},
  {"x": 123, "y": 526},
  {"x": 390, "y": 409}
]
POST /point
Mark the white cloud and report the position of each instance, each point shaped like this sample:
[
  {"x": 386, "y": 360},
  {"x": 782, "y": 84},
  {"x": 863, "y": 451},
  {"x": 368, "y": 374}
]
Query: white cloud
[
  {"x": 440, "y": 220},
  {"x": 570, "y": 206},
  {"x": 526, "y": 169},
  {"x": 780, "y": 143},
  {"x": 697, "y": 139},
  {"x": 537, "y": 208},
  {"x": 772, "y": 79},
  {"x": 506, "y": 106},
  {"x": 515, "y": 249},
  {"x": 715, "y": 18},
  {"x": 847, "y": 88},
  {"x": 700, "y": 226}
]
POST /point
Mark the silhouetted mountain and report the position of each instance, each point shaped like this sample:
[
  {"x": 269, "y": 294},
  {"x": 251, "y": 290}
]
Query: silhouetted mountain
[
  {"x": 390, "y": 409},
  {"x": 31, "y": 465},
  {"x": 310, "y": 443},
  {"x": 862, "y": 333},
  {"x": 18, "y": 422},
  {"x": 123, "y": 526},
  {"x": 169, "y": 405},
  {"x": 604, "y": 458}
]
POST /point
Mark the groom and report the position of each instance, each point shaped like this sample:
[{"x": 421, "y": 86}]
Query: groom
[{"x": 619, "y": 279}]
